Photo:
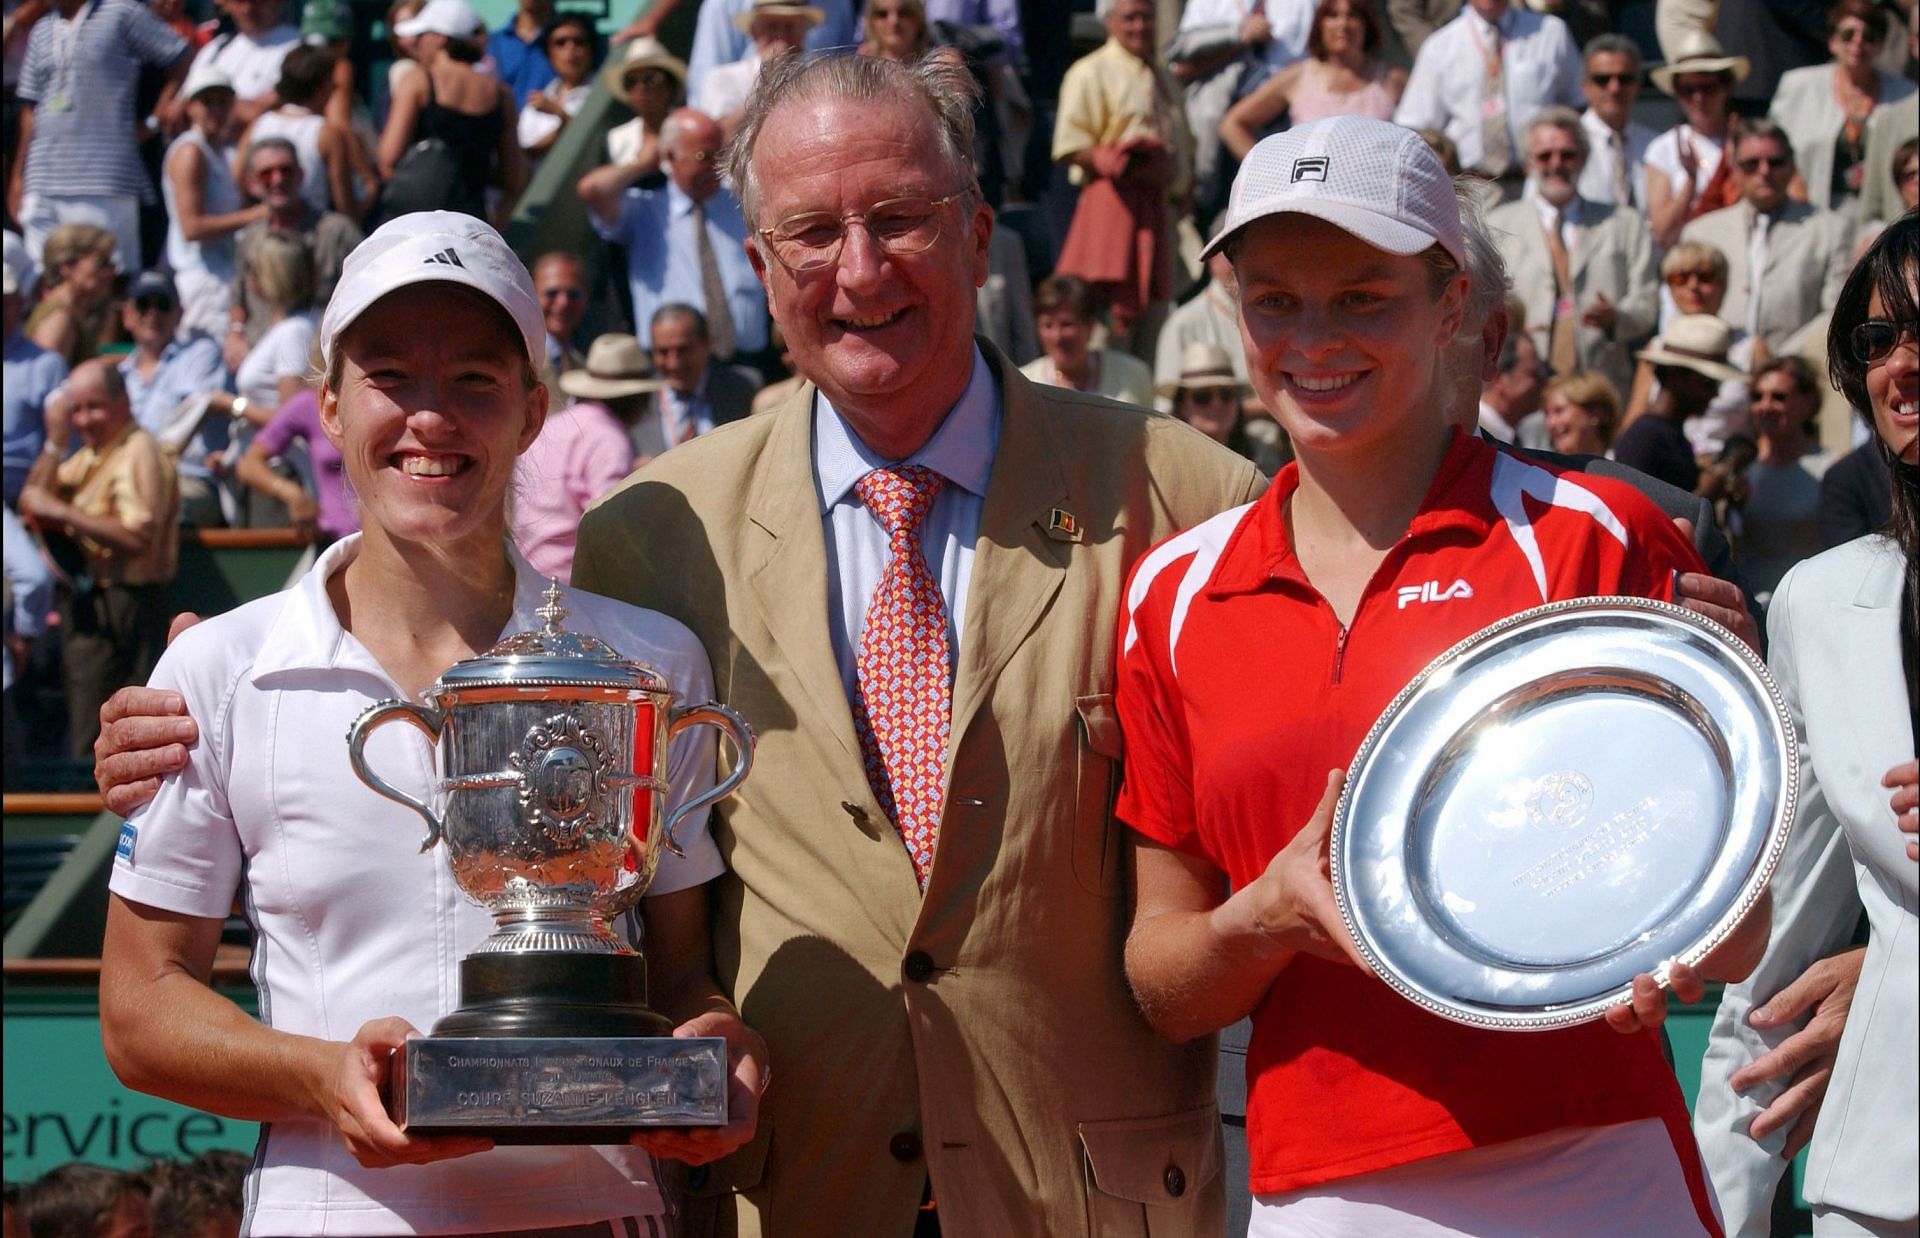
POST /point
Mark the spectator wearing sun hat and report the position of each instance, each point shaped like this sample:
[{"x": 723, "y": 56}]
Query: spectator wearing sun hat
[
  {"x": 652, "y": 81},
  {"x": 1689, "y": 362},
  {"x": 1210, "y": 396},
  {"x": 719, "y": 38},
  {"x": 776, "y": 27},
  {"x": 582, "y": 452}
]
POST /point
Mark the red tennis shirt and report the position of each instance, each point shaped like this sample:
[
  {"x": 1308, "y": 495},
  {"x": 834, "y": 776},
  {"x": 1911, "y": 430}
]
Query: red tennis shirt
[{"x": 1238, "y": 690}]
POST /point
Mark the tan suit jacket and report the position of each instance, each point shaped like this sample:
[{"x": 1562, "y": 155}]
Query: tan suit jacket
[
  {"x": 1808, "y": 257},
  {"x": 982, "y": 1034},
  {"x": 1611, "y": 257}
]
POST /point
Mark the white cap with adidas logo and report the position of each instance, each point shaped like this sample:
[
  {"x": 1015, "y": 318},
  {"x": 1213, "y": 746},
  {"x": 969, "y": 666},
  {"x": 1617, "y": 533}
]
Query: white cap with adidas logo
[{"x": 434, "y": 247}]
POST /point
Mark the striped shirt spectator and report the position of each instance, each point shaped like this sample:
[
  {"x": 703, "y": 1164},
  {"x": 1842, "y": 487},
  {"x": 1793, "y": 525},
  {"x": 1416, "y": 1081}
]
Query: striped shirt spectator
[{"x": 83, "y": 64}]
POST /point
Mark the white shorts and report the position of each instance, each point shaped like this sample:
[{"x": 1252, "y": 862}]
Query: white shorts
[
  {"x": 1600, "y": 1181},
  {"x": 40, "y": 214}
]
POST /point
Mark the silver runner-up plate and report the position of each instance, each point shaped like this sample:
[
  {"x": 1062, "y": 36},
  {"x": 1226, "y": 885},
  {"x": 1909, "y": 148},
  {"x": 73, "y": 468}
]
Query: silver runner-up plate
[{"x": 1580, "y": 793}]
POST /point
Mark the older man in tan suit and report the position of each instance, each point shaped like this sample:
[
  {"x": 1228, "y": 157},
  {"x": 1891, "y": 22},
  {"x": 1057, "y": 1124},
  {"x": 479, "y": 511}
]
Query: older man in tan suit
[
  {"x": 905, "y": 577},
  {"x": 1785, "y": 260},
  {"x": 1583, "y": 270}
]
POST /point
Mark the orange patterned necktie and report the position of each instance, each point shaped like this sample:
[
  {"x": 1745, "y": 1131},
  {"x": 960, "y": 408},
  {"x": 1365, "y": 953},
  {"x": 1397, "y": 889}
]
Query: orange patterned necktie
[{"x": 902, "y": 700}]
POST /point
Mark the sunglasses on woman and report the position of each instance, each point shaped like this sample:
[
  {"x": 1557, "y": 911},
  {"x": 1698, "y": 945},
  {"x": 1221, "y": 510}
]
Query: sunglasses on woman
[
  {"x": 1874, "y": 339},
  {"x": 1205, "y": 396}
]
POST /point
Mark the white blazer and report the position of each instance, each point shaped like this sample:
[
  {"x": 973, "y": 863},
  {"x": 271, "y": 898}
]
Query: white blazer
[
  {"x": 1834, "y": 628},
  {"x": 1803, "y": 105}
]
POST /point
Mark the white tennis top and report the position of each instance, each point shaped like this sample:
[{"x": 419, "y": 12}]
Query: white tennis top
[{"x": 352, "y": 922}]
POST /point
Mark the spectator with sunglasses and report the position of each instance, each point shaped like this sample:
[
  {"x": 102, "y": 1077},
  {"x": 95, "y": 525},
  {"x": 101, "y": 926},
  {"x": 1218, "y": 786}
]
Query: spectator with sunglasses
[
  {"x": 1695, "y": 276},
  {"x": 166, "y": 375},
  {"x": 1209, "y": 396},
  {"x": 1817, "y": 1044},
  {"x": 1786, "y": 260},
  {"x": 1687, "y": 172},
  {"x": 1824, "y": 108},
  {"x": 1616, "y": 171}
]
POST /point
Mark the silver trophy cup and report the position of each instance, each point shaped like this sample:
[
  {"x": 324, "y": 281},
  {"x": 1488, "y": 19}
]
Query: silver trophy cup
[{"x": 552, "y": 754}]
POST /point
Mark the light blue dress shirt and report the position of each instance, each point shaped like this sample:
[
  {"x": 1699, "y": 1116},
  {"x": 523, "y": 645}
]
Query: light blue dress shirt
[
  {"x": 32, "y": 374},
  {"x": 961, "y": 451},
  {"x": 187, "y": 368},
  {"x": 663, "y": 259}
]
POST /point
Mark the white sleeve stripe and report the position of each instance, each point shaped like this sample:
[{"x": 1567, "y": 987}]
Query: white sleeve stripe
[
  {"x": 1205, "y": 542},
  {"x": 1513, "y": 479}
]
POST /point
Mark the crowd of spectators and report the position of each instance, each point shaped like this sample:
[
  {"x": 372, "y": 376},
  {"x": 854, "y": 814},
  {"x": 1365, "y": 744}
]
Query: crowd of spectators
[
  {"x": 196, "y": 1198},
  {"x": 184, "y": 181}
]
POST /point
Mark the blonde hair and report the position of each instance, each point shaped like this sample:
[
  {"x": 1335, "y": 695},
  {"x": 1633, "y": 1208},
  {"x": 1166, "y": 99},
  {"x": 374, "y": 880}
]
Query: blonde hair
[
  {"x": 1593, "y": 392},
  {"x": 69, "y": 243},
  {"x": 283, "y": 272},
  {"x": 1692, "y": 256}
]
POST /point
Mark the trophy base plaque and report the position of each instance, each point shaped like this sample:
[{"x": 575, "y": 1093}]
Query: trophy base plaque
[{"x": 557, "y": 1048}]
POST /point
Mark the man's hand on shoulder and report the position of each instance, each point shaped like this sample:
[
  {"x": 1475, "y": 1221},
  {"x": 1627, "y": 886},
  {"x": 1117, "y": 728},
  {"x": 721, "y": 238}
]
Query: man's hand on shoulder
[{"x": 144, "y": 735}]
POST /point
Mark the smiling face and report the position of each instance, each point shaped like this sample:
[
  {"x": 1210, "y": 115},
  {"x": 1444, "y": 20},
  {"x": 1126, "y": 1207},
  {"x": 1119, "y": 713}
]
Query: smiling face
[
  {"x": 1703, "y": 99},
  {"x": 1893, "y": 389},
  {"x": 1853, "y": 46},
  {"x": 1343, "y": 340},
  {"x": 273, "y": 176},
  {"x": 97, "y": 412},
  {"x": 1342, "y": 31},
  {"x": 429, "y": 422},
  {"x": 1611, "y": 86},
  {"x": 1064, "y": 335},
  {"x": 1554, "y": 156},
  {"x": 560, "y": 281},
  {"x": 1697, "y": 290},
  {"x": 1573, "y": 428},
  {"x": 1130, "y": 23},
  {"x": 887, "y": 337},
  {"x": 1780, "y": 408}
]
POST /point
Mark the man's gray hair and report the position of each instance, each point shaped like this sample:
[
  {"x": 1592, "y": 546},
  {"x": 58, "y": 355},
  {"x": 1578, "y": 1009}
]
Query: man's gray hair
[
  {"x": 1758, "y": 128},
  {"x": 1560, "y": 116},
  {"x": 270, "y": 143},
  {"x": 946, "y": 89},
  {"x": 1615, "y": 45}
]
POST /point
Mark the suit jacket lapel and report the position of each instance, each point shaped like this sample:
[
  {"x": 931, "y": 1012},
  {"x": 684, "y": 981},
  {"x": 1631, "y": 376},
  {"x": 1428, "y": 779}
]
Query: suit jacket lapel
[
  {"x": 1017, "y": 568},
  {"x": 1591, "y": 216},
  {"x": 789, "y": 579},
  {"x": 1881, "y": 723}
]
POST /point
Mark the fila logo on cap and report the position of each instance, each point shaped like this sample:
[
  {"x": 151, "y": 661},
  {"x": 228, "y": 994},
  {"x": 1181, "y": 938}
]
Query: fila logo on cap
[
  {"x": 446, "y": 257},
  {"x": 1430, "y": 591},
  {"x": 1313, "y": 168}
]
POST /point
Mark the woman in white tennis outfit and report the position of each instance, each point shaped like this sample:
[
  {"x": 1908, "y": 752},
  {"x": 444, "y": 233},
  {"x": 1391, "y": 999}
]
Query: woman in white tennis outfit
[{"x": 359, "y": 936}]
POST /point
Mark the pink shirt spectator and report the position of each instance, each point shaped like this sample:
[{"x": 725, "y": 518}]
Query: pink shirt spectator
[
  {"x": 299, "y": 418},
  {"x": 582, "y": 452}
]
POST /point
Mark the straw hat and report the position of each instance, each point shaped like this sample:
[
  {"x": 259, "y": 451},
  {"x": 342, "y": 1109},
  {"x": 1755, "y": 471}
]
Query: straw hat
[
  {"x": 645, "y": 52},
  {"x": 743, "y": 20},
  {"x": 1203, "y": 365},
  {"x": 616, "y": 366},
  {"x": 1696, "y": 51},
  {"x": 1698, "y": 342}
]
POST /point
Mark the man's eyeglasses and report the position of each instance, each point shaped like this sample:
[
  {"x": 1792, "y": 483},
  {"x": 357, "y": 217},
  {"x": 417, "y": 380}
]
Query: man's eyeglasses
[
  {"x": 1750, "y": 166},
  {"x": 156, "y": 303},
  {"x": 1875, "y": 338},
  {"x": 1680, "y": 279},
  {"x": 899, "y": 226},
  {"x": 1612, "y": 79}
]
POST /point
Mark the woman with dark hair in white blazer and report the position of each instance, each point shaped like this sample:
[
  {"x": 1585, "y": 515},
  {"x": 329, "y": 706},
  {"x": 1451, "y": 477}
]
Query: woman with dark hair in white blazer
[{"x": 1844, "y": 649}]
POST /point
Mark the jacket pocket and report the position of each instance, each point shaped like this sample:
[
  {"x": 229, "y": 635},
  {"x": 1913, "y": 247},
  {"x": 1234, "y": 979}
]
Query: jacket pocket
[
  {"x": 1096, "y": 836},
  {"x": 1154, "y": 1177}
]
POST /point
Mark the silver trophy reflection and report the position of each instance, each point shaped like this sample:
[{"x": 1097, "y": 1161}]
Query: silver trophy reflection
[{"x": 552, "y": 753}]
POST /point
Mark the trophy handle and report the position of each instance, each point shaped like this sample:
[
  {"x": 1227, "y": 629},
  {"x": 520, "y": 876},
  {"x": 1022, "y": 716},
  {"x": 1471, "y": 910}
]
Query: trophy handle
[
  {"x": 429, "y": 721},
  {"x": 731, "y": 725}
]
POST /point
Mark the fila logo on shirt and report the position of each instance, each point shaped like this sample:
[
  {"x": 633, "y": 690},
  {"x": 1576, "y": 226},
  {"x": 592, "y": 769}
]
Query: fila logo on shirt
[
  {"x": 1430, "y": 591},
  {"x": 446, "y": 257}
]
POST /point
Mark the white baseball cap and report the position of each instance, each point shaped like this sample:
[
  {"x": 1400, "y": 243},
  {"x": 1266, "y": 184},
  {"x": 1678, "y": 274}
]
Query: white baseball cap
[
  {"x": 434, "y": 247},
  {"x": 453, "y": 18},
  {"x": 1379, "y": 181},
  {"x": 205, "y": 75}
]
